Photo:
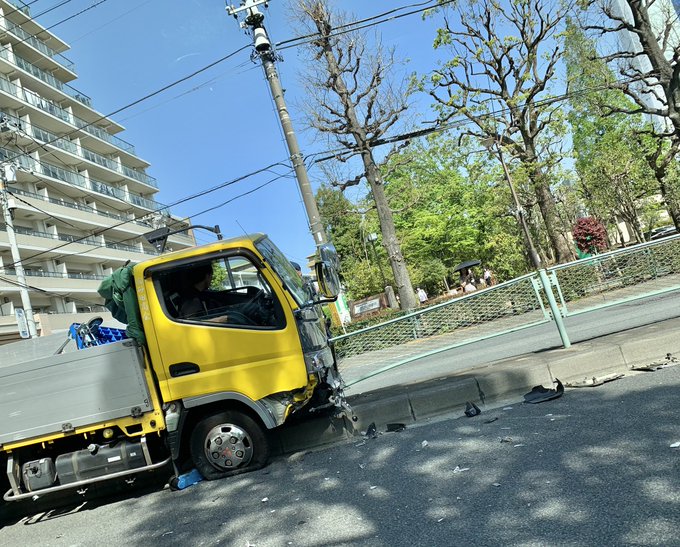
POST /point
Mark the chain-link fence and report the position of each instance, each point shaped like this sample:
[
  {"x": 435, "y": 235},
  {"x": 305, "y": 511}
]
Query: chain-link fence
[
  {"x": 618, "y": 276},
  {"x": 588, "y": 284},
  {"x": 489, "y": 312}
]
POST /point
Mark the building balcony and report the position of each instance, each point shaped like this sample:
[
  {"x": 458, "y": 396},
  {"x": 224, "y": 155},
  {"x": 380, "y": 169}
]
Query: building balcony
[
  {"x": 44, "y": 76},
  {"x": 44, "y": 136},
  {"x": 39, "y": 45},
  {"x": 58, "y": 275},
  {"x": 27, "y": 97},
  {"x": 85, "y": 248},
  {"x": 29, "y": 164},
  {"x": 80, "y": 240},
  {"x": 89, "y": 217}
]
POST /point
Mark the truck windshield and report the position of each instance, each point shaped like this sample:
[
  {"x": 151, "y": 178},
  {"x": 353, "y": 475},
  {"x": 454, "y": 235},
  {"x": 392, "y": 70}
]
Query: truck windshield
[{"x": 282, "y": 266}]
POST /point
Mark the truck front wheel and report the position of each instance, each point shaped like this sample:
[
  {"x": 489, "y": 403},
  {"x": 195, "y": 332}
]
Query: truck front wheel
[{"x": 228, "y": 443}]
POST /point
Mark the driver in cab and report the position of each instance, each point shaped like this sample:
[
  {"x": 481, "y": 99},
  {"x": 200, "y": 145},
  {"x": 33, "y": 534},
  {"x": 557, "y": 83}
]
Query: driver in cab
[{"x": 196, "y": 300}]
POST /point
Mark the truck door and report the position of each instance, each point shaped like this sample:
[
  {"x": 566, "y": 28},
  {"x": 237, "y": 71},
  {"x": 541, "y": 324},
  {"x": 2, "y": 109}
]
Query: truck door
[{"x": 222, "y": 324}]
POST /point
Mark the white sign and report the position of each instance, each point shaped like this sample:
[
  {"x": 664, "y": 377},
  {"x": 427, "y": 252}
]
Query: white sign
[
  {"x": 369, "y": 305},
  {"x": 21, "y": 322}
]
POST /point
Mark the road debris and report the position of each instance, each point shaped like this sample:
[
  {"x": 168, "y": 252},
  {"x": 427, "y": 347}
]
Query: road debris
[
  {"x": 492, "y": 420},
  {"x": 675, "y": 445},
  {"x": 371, "y": 431},
  {"x": 265, "y": 500},
  {"x": 185, "y": 480},
  {"x": 506, "y": 440},
  {"x": 496, "y": 484},
  {"x": 540, "y": 394},
  {"x": 507, "y": 408},
  {"x": 395, "y": 428},
  {"x": 459, "y": 469},
  {"x": 471, "y": 410},
  {"x": 595, "y": 381},
  {"x": 424, "y": 444},
  {"x": 669, "y": 361}
]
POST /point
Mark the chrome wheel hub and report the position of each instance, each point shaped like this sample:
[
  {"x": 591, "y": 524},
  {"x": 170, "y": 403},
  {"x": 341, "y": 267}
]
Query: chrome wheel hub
[{"x": 227, "y": 446}]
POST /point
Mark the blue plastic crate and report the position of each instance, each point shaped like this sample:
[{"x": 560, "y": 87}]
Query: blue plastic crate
[{"x": 96, "y": 337}]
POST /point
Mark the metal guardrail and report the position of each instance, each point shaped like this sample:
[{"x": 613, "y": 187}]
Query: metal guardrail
[
  {"x": 483, "y": 314},
  {"x": 584, "y": 285},
  {"x": 618, "y": 276}
]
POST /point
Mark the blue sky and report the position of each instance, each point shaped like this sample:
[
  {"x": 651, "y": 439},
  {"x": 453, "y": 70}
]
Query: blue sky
[{"x": 227, "y": 127}]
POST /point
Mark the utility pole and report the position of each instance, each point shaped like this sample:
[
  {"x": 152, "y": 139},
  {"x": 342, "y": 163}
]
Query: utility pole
[
  {"x": 7, "y": 176},
  {"x": 254, "y": 21}
]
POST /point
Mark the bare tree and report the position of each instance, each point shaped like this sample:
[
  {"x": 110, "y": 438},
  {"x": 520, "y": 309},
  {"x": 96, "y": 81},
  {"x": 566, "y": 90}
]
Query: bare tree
[
  {"x": 504, "y": 61},
  {"x": 648, "y": 32},
  {"x": 355, "y": 103}
]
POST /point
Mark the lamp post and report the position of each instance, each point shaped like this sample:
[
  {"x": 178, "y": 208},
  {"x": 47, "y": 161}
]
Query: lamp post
[
  {"x": 372, "y": 237},
  {"x": 493, "y": 144}
]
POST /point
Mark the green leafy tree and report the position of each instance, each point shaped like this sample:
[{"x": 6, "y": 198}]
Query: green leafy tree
[
  {"x": 451, "y": 205},
  {"x": 610, "y": 147},
  {"x": 503, "y": 64},
  {"x": 647, "y": 62}
]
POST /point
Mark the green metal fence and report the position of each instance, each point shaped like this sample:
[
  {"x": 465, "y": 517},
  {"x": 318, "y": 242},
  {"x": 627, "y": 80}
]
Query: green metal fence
[
  {"x": 490, "y": 312},
  {"x": 618, "y": 276},
  {"x": 585, "y": 285}
]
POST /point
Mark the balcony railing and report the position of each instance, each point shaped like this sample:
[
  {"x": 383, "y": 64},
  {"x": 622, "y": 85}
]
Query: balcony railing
[
  {"x": 54, "y": 109},
  {"x": 79, "y": 207},
  {"x": 48, "y": 137},
  {"x": 21, "y": 6},
  {"x": 76, "y": 239},
  {"x": 76, "y": 179},
  {"x": 44, "y": 76},
  {"x": 61, "y": 275},
  {"x": 41, "y": 46}
]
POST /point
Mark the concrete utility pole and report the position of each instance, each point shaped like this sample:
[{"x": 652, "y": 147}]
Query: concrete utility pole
[
  {"x": 254, "y": 21},
  {"x": 8, "y": 175}
]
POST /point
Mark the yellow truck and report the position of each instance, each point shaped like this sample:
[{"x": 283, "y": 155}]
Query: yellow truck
[{"x": 224, "y": 343}]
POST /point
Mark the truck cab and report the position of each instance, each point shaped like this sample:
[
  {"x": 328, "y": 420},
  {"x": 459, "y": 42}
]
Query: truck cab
[{"x": 229, "y": 344}]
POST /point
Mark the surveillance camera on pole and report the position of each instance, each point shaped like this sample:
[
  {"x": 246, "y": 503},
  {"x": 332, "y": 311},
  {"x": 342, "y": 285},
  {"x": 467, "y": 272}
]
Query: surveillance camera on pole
[{"x": 253, "y": 20}]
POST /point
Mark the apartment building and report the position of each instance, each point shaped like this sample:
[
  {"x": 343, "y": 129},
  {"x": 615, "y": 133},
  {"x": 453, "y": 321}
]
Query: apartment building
[{"x": 81, "y": 198}]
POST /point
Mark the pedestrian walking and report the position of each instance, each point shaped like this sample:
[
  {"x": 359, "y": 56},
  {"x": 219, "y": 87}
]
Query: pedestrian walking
[
  {"x": 488, "y": 277},
  {"x": 422, "y": 295}
]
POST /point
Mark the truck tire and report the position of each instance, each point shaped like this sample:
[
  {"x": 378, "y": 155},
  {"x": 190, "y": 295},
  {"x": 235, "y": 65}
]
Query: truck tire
[{"x": 228, "y": 443}]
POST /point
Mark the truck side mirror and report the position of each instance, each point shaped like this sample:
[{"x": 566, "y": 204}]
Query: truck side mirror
[{"x": 327, "y": 271}]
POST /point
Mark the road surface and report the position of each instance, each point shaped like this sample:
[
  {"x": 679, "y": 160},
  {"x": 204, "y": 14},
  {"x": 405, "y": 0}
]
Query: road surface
[{"x": 592, "y": 468}]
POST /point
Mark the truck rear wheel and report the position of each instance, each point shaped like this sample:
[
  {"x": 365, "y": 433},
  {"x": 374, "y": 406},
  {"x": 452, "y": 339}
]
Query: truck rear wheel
[{"x": 228, "y": 443}]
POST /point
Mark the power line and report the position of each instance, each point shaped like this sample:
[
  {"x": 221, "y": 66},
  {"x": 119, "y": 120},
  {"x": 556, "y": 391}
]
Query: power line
[
  {"x": 429, "y": 3},
  {"x": 395, "y": 138},
  {"x": 101, "y": 231},
  {"x": 17, "y": 8},
  {"x": 27, "y": 286},
  {"x": 359, "y": 25},
  {"x": 70, "y": 17}
]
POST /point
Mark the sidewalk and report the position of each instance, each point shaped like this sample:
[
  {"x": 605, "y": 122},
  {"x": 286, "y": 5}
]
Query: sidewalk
[{"x": 492, "y": 382}]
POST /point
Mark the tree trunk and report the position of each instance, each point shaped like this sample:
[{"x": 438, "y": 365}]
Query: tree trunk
[
  {"x": 407, "y": 296},
  {"x": 337, "y": 84},
  {"x": 551, "y": 220}
]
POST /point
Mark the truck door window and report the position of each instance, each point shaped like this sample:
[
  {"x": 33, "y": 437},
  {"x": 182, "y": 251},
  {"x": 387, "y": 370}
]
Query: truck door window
[{"x": 227, "y": 291}]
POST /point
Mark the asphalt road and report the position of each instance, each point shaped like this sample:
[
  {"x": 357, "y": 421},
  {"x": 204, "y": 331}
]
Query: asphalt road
[
  {"x": 592, "y": 468},
  {"x": 582, "y": 327}
]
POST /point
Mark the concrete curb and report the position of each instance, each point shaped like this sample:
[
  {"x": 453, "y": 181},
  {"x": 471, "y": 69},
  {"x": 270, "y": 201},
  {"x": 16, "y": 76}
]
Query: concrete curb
[{"x": 493, "y": 382}]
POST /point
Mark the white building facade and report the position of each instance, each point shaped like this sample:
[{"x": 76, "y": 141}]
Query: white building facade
[{"x": 82, "y": 199}]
